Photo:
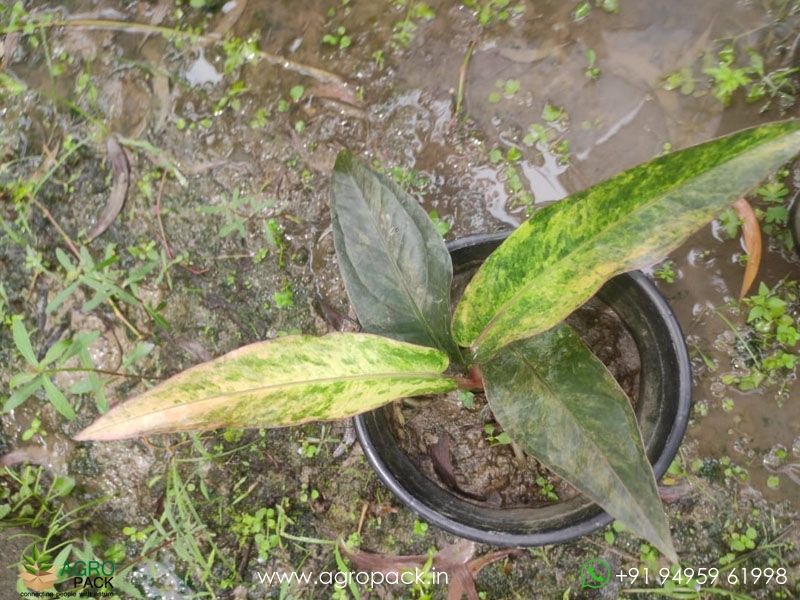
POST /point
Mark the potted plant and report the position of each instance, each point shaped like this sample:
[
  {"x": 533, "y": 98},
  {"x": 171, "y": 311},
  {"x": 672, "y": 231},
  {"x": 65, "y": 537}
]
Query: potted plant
[
  {"x": 506, "y": 334},
  {"x": 659, "y": 379}
]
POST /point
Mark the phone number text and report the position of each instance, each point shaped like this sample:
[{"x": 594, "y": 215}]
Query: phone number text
[{"x": 703, "y": 576}]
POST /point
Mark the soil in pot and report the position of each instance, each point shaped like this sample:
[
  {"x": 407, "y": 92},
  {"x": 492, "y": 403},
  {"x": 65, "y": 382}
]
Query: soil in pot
[{"x": 449, "y": 444}]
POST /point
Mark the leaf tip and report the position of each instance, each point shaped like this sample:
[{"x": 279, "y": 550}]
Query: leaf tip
[{"x": 344, "y": 161}]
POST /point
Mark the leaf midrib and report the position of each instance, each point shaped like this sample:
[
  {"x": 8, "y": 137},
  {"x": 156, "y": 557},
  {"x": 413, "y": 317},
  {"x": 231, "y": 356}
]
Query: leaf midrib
[{"x": 425, "y": 375}]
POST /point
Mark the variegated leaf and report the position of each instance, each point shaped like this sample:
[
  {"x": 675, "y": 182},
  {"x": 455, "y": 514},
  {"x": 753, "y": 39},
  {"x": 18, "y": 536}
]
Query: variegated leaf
[
  {"x": 561, "y": 256},
  {"x": 281, "y": 382}
]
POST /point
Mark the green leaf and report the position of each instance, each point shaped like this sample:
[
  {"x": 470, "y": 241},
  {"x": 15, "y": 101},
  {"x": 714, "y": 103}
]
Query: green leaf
[
  {"x": 62, "y": 486},
  {"x": 561, "y": 404},
  {"x": 22, "y": 378},
  {"x": 23, "y": 341},
  {"x": 396, "y": 268},
  {"x": 281, "y": 382},
  {"x": 57, "y": 398},
  {"x": 22, "y": 394},
  {"x": 562, "y": 255},
  {"x": 56, "y": 351}
]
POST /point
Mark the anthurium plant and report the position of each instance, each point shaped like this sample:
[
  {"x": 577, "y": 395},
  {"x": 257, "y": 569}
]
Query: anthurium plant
[{"x": 546, "y": 389}]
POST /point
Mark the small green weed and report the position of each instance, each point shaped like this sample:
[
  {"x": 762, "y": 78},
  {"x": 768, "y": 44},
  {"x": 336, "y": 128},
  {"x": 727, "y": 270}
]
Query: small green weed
[
  {"x": 504, "y": 88},
  {"x": 581, "y": 11},
  {"x": 546, "y": 488},
  {"x": 466, "y": 398},
  {"x": 27, "y": 500},
  {"x": 40, "y": 372},
  {"x": 500, "y": 438},
  {"x": 237, "y": 212},
  {"x": 774, "y": 213},
  {"x": 239, "y": 52},
  {"x": 769, "y": 341},
  {"x": 273, "y": 232},
  {"x": 727, "y": 76},
  {"x": 592, "y": 70},
  {"x": 404, "y": 31},
  {"x": 338, "y": 38},
  {"x": 494, "y": 11},
  {"x": 519, "y": 195},
  {"x": 284, "y": 298},
  {"x": 666, "y": 271},
  {"x": 441, "y": 225},
  {"x": 420, "y": 528},
  {"x": 35, "y": 428}
]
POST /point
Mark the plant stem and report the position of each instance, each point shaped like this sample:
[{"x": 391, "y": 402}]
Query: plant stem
[
  {"x": 462, "y": 80},
  {"x": 55, "y": 224}
]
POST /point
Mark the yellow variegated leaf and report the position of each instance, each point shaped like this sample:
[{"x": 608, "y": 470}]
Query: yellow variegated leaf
[{"x": 281, "y": 382}]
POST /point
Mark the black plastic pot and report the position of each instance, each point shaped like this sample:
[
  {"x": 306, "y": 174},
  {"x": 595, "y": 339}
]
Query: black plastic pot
[{"x": 662, "y": 413}]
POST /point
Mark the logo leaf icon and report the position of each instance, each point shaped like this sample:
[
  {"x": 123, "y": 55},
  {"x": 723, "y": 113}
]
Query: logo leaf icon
[{"x": 31, "y": 570}]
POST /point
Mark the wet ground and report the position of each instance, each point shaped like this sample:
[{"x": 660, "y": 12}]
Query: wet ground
[{"x": 230, "y": 116}]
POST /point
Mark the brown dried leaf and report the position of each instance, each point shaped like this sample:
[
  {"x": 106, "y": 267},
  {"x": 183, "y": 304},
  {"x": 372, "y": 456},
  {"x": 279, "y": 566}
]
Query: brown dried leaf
[
  {"x": 119, "y": 188},
  {"x": 751, "y": 233},
  {"x": 443, "y": 466},
  {"x": 229, "y": 18},
  {"x": 337, "y": 92},
  {"x": 34, "y": 455},
  {"x": 455, "y": 560},
  {"x": 440, "y": 457},
  {"x": 161, "y": 98}
]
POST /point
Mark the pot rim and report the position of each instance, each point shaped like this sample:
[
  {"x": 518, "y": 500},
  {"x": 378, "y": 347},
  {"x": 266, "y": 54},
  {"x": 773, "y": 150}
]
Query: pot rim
[{"x": 559, "y": 522}]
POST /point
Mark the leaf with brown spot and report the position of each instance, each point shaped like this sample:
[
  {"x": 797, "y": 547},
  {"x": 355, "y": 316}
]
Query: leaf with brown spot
[
  {"x": 119, "y": 187},
  {"x": 751, "y": 233}
]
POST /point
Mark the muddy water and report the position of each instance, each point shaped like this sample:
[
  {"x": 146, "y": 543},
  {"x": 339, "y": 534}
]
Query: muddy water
[{"x": 402, "y": 115}]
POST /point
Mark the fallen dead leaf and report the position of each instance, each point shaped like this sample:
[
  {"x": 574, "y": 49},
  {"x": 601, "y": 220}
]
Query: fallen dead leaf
[
  {"x": 751, "y": 233},
  {"x": 119, "y": 188},
  {"x": 455, "y": 559}
]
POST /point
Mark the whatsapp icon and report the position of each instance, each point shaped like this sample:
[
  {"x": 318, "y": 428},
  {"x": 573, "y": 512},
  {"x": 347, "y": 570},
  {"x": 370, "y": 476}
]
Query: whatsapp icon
[{"x": 595, "y": 573}]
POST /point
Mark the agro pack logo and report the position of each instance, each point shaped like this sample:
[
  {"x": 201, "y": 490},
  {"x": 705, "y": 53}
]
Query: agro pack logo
[
  {"x": 92, "y": 574},
  {"x": 40, "y": 573}
]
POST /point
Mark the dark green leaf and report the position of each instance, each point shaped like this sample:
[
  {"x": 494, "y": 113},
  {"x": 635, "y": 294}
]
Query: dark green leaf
[
  {"x": 560, "y": 404},
  {"x": 395, "y": 265},
  {"x": 560, "y": 257}
]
